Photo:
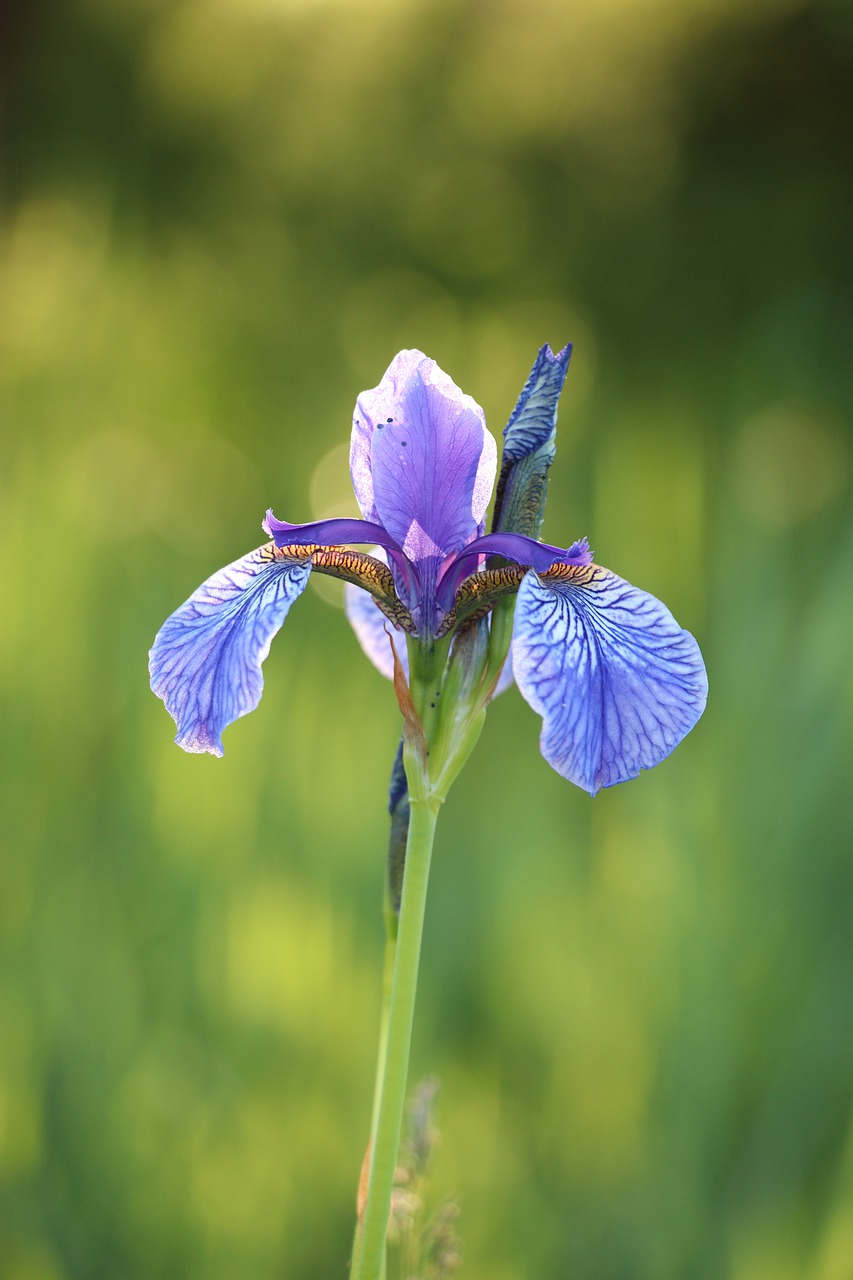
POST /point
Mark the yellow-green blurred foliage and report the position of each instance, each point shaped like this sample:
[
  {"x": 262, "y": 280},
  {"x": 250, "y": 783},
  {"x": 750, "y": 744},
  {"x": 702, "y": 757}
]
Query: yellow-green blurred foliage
[{"x": 220, "y": 220}]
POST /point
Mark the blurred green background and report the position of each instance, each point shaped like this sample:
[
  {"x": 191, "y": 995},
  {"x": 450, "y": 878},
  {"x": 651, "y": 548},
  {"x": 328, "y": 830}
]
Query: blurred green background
[{"x": 220, "y": 220}]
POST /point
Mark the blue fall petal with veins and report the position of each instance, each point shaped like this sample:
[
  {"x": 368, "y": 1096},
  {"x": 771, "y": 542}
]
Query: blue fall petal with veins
[
  {"x": 617, "y": 682},
  {"x": 206, "y": 659}
]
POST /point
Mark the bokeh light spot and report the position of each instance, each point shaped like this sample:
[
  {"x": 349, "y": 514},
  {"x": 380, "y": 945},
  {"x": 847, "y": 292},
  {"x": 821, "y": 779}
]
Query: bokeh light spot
[{"x": 790, "y": 461}]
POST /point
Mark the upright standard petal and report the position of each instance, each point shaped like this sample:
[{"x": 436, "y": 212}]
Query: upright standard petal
[
  {"x": 422, "y": 462},
  {"x": 206, "y": 660},
  {"x": 617, "y": 682}
]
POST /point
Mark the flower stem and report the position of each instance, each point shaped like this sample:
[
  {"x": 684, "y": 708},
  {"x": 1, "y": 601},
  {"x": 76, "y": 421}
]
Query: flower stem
[
  {"x": 369, "y": 1262},
  {"x": 387, "y": 982}
]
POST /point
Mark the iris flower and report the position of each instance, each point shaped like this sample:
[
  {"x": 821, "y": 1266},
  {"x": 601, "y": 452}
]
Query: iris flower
[{"x": 615, "y": 679}]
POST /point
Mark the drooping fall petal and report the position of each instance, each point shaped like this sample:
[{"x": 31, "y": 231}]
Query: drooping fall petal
[
  {"x": 617, "y": 682},
  {"x": 206, "y": 659}
]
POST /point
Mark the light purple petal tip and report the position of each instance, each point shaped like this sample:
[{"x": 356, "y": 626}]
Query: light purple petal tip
[
  {"x": 422, "y": 461},
  {"x": 579, "y": 552},
  {"x": 206, "y": 659},
  {"x": 617, "y": 682}
]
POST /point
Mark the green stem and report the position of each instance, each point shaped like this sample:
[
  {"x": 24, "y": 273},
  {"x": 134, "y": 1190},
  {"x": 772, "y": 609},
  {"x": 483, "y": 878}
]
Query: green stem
[
  {"x": 369, "y": 1264},
  {"x": 387, "y": 981}
]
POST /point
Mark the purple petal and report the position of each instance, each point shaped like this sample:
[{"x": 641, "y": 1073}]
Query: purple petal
[
  {"x": 539, "y": 555},
  {"x": 617, "y": 682},
  {"x": 422, "y": 462},
  {"x": 513, "y": 546},
  {"x": 206, "y": 659},
  {"x": 340, "y": 532},
  {"x": 326, "y": 533}
]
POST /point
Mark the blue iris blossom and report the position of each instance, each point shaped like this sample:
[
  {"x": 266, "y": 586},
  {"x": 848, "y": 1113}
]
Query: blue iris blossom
[{"x": 616, "y": 681}]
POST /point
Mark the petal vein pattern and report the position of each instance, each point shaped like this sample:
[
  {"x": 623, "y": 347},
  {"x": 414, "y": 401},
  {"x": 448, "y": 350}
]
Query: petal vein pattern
[
  {"x": 422, "y": 458},
  {"x": 206, "y": 659},
  {"x": 617, "y": 682}
]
